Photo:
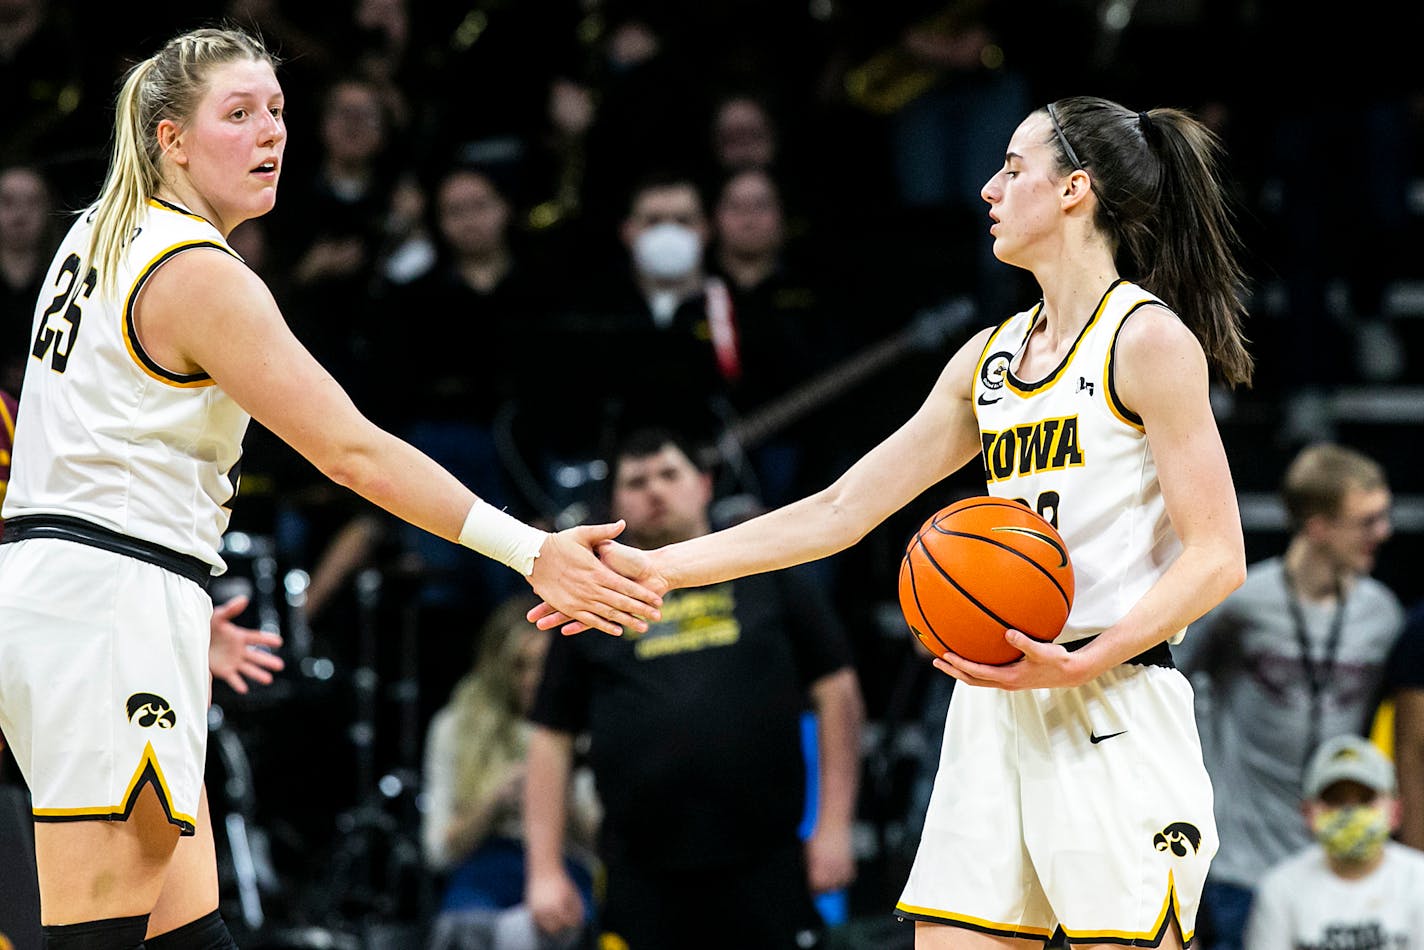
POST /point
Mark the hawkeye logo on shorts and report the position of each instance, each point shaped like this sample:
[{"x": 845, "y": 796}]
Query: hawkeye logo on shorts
[
  {"x": 1177, "y": 836},
  {"x": 146, "y": 709}
]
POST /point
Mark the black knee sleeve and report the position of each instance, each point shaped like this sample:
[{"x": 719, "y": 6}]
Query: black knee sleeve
[
  {"x": 206, "y": 933},
  {"x": 114, "y": 933}
]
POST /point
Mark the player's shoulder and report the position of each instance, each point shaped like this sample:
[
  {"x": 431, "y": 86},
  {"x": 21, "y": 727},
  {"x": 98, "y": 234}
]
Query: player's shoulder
[{"x": 1151, "y": 326}]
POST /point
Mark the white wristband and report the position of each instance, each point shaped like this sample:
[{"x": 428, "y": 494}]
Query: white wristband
[{"x": 502, "y": 536}]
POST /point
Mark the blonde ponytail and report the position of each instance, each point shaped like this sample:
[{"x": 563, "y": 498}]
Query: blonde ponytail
[{"x": 133, "y": 177}]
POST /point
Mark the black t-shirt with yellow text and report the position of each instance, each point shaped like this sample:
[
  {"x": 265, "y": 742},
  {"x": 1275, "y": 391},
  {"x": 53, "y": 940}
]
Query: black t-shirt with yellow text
[{"x": 695, "y": 725}]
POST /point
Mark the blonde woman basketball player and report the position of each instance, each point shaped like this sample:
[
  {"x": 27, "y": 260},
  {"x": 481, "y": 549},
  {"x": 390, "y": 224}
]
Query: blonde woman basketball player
[
  {"x": 152, "y": 344},
  {"x": 1071, "y": 790}
]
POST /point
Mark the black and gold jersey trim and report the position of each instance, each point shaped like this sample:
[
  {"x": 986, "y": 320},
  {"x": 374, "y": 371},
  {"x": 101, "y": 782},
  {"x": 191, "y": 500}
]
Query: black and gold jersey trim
[
  {"x": 1115, "y": 402},
  {"x": 1025, "y": 388},
  {"x": 170, "y": 206},
  {"x": 149, "y": 366},
  {"x": 149, "y": 772},
  {"x": 964, "y": 921},
  {"x": 1171, "y": 911}
]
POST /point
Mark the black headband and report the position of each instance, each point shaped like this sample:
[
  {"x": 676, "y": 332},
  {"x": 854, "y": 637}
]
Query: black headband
[
  {"x": 1073, "y": 158},
  {"x": 1063, "y": 139}
]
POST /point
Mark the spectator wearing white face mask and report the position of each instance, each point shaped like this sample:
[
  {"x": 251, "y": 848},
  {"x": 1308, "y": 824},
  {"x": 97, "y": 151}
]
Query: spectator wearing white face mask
[
  {"x": 1355, "y": 889},
  {"x": 657, "y": 314}
]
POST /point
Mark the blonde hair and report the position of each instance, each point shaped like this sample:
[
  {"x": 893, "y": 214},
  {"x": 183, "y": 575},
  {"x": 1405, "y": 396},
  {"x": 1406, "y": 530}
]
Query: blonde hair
[
  {"x": 167, "y": 85},
  {"x": 489, "y": 715},
  {"x": 1320, "y": 476}
]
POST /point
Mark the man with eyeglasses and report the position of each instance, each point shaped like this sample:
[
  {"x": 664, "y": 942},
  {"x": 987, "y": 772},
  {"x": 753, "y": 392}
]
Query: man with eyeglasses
[{"x": 1293, "y": 658}]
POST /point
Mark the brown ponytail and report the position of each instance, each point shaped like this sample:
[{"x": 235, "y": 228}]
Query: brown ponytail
[{"x": 1161, "y": 198}]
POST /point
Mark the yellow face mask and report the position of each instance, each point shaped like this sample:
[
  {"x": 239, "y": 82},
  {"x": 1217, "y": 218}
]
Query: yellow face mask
[{"x": 1354, "y": 833}]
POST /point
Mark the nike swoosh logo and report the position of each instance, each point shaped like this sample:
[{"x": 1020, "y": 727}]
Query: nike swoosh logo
[
  {"x": 988, "y": 402},
  {"x": 1094, "y": 738},
  {"x": 1062, "y": 552}
]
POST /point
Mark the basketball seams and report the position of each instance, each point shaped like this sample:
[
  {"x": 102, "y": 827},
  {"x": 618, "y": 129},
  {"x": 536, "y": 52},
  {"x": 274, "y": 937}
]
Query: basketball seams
[
  {"x": 959, "y": 587},
  {"x": 1067, "y": 601},
  {"x": 969, "y": 504},
  {"x": 907, "y": 568},
  {"x": 989, "y": 583}
]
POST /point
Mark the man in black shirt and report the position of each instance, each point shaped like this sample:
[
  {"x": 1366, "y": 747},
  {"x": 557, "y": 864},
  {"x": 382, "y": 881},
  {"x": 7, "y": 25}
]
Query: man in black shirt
[{"x": 695, "y": 744}]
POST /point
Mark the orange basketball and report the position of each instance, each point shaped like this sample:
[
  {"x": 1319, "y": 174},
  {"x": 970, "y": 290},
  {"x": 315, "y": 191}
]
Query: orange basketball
[{"x": 979, "y": 567}]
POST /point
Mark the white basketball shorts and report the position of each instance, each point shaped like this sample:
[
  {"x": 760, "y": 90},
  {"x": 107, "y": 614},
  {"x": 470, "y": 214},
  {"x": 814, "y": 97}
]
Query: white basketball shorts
[
  {"x": 103, "y": 680},
  {"x": 1087, "y": 808}
]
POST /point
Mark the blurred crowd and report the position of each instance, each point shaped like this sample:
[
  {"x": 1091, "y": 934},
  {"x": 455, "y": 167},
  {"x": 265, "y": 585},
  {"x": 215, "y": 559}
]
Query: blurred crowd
[{"x": 516, "y": 230}]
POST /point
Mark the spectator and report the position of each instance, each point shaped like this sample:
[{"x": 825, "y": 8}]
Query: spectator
[
  {"x": 657, "y": 313},
  {"x": 1294, "y": 657},
  {"x": 329, "y": 238},
  {"x": 27, "y": 238},
  {"x": 475, "y": 772},
  {"x": 695, "y": 745},
  {"x": 785, "y": 323},
  {"x": 481, "y": 288},
  {"x": 1354, "y": 888},
  {"x": 380, "y": 36},
  {"x": 336, "y": 226},
  {"x": 744, "y": 135}
]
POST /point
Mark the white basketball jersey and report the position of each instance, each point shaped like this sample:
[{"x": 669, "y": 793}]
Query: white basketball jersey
[
  {"x": 106, "y": 434},
  {"x": 1067, "y": 447}
]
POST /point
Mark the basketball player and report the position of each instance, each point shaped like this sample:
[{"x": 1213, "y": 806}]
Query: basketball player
[
  {"x": 1071, "y": 790},
  {"x": 152, "y": 344}
]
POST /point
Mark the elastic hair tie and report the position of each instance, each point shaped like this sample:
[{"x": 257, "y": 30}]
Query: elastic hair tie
[{"x": 1144, "y": 121}]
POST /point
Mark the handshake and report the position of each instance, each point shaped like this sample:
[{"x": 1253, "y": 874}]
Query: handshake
[{"x": 590, "y": 581}]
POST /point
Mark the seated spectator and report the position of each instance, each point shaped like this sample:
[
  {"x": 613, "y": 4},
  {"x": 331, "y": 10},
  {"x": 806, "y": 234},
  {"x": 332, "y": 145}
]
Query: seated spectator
[
  {"x": 786, "y": 327},
  {"x": 1354, "y": 888},
  {"x": 656, "y": 321},
  {"x": 27, "y": 238},
  {"x": 744, "y": 135},
  {"x": 446, "y": 404},
  {"x": 328, "y": 240},
  {"x": 474, "y": 780}
]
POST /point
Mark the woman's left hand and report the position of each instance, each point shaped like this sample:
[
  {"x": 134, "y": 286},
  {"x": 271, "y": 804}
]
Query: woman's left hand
[{"x": 1043, "y": 665}]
